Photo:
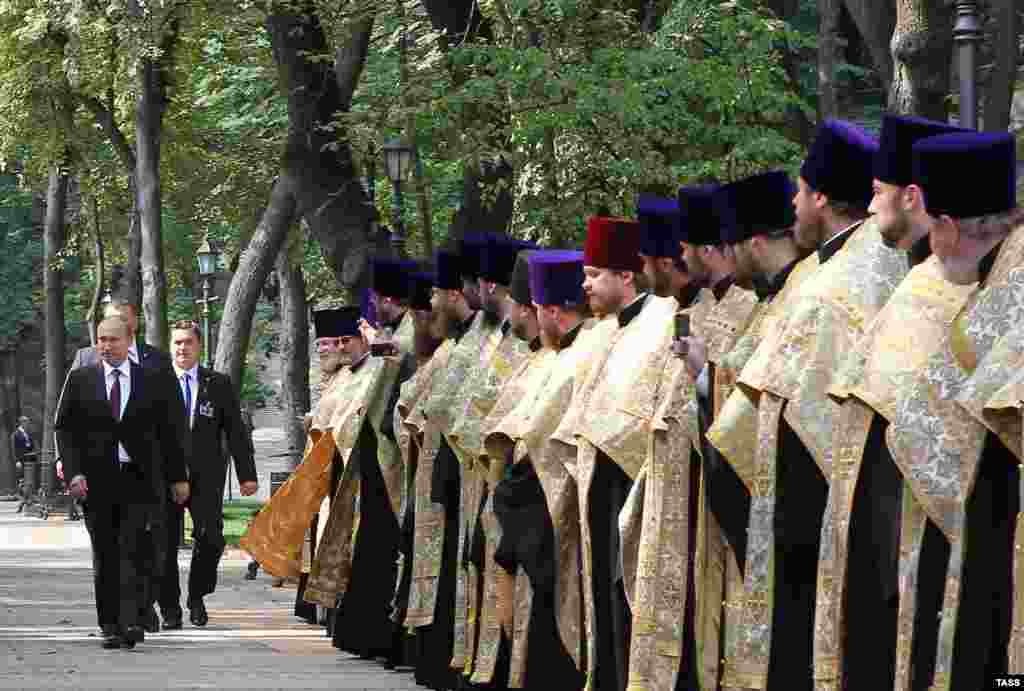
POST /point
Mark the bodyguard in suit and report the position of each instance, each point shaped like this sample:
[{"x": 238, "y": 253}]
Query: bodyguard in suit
[
  {"x": 122, "y": 447},
  {"x": 213, "y": 413},
  {"x": 158, "y": 362}
]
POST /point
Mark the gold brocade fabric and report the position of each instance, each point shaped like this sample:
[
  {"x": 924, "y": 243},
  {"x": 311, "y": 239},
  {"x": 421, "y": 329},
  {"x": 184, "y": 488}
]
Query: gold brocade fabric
[
  {"x": 513, "y": 409},
  {"x": 872, "y": 379},
  {"x": 748, "y": 641},
  {"x": 993, "y": 394},
  {"x": 330, "y": 399},
  {"x": 445, "y": 399},
  {"x": 369, "y": 388},
  {"x": 484, "y": 388},
  {"x": 734, "y": 431},
  {"x": 727, "y": 321},
  {"x": 428, "y": 537},
  {"x": 658, "y": 604},
  {"x": 275, "y": 537},
  {"x": 935, "y": 444},
  {"x": 699, "y": 311},
  {"x": 912, "y": 529},
  {"x": 405, "y": 334},
  {"x": 615, "y": 405},
  {"x": 818, "y": 325}
]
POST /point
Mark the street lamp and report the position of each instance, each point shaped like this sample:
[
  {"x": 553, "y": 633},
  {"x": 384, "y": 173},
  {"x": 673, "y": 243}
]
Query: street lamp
[
  {"x": 967, "y": 35},
  {"x": 398, "y": 158},
  {"x": 207, "y": 257}
]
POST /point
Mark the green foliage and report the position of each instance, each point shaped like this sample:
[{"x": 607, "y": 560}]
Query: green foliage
[{"x": 20, "y": 256}]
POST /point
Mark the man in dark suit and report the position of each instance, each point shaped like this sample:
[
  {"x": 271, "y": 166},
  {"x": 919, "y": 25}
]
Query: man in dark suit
[
  {"x": 213, "y": 413},
  {"x": 122, "y": 447},
  {"x": 157, "y": 361},
  {"x": 23, "y": 444}
]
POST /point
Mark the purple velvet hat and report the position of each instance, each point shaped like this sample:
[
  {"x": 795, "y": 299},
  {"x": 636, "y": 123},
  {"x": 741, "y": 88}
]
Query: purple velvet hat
[
  {"x": 498, "y": 259},
  {"x": 421, "y": 284},
  {"x": 840, "y": 163},
  {"x": 556, "y": 277},
  {"x": 659, "y": 225},
  {"x": 391, "y": 276},
  {"x": 756, "y": 205},
  {"x": 519, "y": 289},
  {"x": 448, "y": 270},
  {"x": 967, "y": 174},
  {"x": 698, "y": 222},
  {"x": 894, "y": 161}
]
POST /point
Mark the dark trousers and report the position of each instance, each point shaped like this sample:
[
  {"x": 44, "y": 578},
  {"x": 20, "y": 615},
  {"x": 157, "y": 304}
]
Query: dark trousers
[
  {"x": 118, "y": 533},
  {"x": 207, "y": 549}
]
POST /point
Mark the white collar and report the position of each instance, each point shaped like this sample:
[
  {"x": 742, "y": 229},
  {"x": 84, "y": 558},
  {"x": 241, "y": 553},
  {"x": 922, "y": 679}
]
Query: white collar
[
  {"x": 193, "y": 373},
  {"x": 124, "y": 368}
]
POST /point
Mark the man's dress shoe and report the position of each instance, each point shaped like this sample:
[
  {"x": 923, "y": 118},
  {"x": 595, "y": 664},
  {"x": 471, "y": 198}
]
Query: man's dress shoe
[{"x": 197, "y": 613}]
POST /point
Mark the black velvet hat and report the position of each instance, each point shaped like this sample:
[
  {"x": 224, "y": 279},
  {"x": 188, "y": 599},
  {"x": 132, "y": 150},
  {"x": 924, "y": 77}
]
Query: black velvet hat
[
  {"x": 894, "y": 161},
  {"x": 556, "y": 277},
  {"x": 498, "y": 259},
  {"x": 391, "y": 276},
  {"x": 421, "y": 285},
  {"x": 967, "y": 174},
  {"x": 659, "y": 226},
  {"x": 335, "y": 323},
  {"x": 756, "y": 205},
  {"x": 613, "y": 243},
  {"x": 840, "y": 163},
  {"x": 698, "y": 222},
  {"x": 448, "y": 274},
  {"x": 520, "y": 287}
]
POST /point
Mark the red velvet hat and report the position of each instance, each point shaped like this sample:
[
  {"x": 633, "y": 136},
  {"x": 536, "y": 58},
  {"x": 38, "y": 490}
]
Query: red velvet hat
[{"x": 613, "y": 243}]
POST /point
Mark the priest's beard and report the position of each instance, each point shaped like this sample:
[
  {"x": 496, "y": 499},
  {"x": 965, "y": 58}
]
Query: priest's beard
[
  {"x": 492, "y": 309},
  {"x": 330, "y": 363},
  {"x": 895, "y": 231},
  {"x": 661, "y": 282}
]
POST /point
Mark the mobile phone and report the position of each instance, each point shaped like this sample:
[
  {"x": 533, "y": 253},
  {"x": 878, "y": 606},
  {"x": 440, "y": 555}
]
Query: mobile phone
[
  {"x": 682, "y": 325},
  {"x": 383, "y": 349}
]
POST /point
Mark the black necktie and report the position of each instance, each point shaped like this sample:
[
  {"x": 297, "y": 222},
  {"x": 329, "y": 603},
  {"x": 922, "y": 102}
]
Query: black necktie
[{"x": 115, "y": 394}]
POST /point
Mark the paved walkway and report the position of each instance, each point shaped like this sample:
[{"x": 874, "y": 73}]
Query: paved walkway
[{"x": 48, "y": 635}]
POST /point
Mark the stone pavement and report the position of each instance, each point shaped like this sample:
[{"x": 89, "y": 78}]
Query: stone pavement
[{"x": 49, "y": 640}]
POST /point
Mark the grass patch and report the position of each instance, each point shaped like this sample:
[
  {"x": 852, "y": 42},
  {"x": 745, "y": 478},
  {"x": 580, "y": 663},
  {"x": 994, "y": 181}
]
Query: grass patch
[{"x": 237, "y": 515}]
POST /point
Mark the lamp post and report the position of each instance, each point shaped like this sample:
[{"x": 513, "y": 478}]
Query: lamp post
[
  {"x": 207, "y": 257},
  {"x": 397, "y": 162},
  {"x": 967, "y": 35}
]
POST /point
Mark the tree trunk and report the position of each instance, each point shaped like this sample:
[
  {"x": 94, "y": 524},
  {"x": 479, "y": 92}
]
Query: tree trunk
[
  {"x": 922, "y": 44},
  {"x": 474, "y": 211},
  {"x": 875, "y": 20},
  {"x": 294, "y": 355},
  {"x": 53, "y": 283},
  {"x": 998, "y": 96},
  {"x": 148, "y": 128},
  {"x": 8, "y": 413},
  {"x": 253, "y": 267},
  {"x": 828, "y": 49},
  {"x": 92, "y": 316}
]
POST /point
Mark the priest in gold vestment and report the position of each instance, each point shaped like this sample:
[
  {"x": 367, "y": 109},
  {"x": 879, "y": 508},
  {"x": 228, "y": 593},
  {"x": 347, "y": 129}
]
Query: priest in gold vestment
[
  {"x": 960, "y": 493},
  {"x": 755, "y": 216},
  {"x": 787, "y": 378},
  {"x": 855, "y": 629},
  {"x": 535, "y": 504},
  {"x": 609, "y": 422}
]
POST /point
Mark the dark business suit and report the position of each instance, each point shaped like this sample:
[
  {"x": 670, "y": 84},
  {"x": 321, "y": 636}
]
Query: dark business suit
[
  {"x": 157, "y": 361},
  {"x": 218, "y": 418},
  {"x": 122, "y": 498}
]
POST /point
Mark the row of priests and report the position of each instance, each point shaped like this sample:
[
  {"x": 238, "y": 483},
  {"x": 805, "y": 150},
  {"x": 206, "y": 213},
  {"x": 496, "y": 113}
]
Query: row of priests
[{"x": 764, "y": 437}]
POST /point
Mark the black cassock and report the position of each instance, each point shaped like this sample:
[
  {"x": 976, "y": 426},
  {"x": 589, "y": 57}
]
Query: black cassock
[
  {"x": 528, "y": 543},
  {"x": 362, "y": 623}
]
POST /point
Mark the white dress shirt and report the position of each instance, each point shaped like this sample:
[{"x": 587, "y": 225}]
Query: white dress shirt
[
  {"x": 125, "y": 369},
  {"x": 193, "y": 385}
]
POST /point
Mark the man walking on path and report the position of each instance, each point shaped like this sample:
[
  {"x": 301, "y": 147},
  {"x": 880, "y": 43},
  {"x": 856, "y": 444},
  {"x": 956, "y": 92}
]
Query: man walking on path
[
  {"x": 121, "y": 446},
  {"x": 213, "y": 413}
]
